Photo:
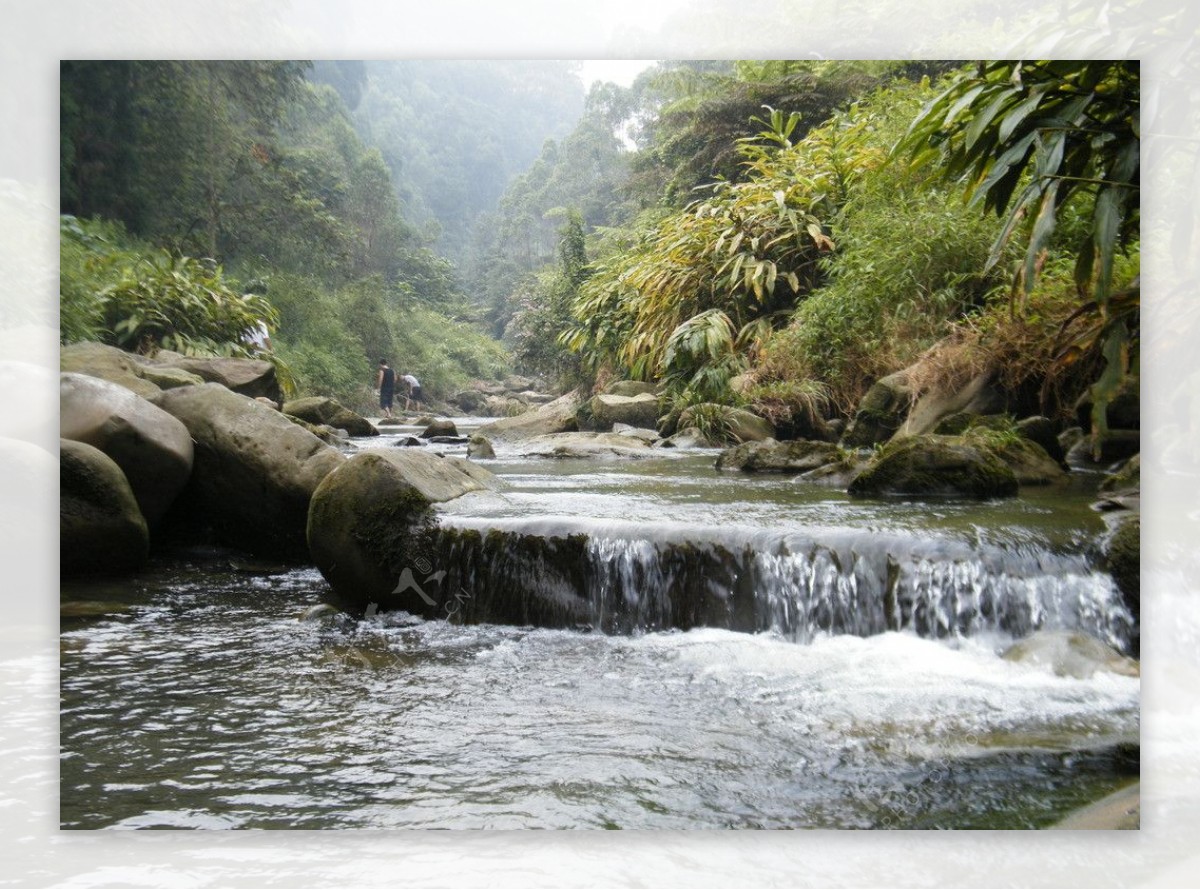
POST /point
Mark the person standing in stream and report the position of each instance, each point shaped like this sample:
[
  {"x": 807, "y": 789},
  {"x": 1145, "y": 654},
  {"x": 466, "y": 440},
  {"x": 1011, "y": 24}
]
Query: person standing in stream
[
  {"x": 414, "y": 391},
  {"x": 385, "y": 383}
]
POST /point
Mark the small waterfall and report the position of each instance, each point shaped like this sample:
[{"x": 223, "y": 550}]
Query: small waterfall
[{"x": 622, "y": 579}]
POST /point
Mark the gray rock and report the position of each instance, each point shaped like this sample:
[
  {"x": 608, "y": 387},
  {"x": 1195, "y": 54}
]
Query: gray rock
[
  {"x": 255, "y": 471},
  {"x": 978, "y": 396},
  {"x": 152, "y": 448},
  {"x": 167, "y": 378},
  {"x": 101, "y": 529},
  {"x": 646, "y": 435},
  {"x": 938, "y": 466},
  {"x": 368, "y": 520},
  {"x": 324, "y": 410}
]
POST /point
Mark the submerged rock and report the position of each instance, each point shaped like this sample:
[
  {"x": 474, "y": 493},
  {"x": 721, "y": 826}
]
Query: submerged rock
[
  {"x": 369, "y": 521},
  {"x": 255, "y": 471},
  {"x": 1071, "y": 654},
  {"x": 101, "y": 529},
  {"x": 938, "y": 466},
  {"x": 769, "y": 456},
  {"x": 324, "y": 410},
  {"x": 152, "y": 448}
]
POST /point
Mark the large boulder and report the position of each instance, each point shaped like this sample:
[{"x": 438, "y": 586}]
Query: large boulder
[
  {"x": 327, "y": 411},
  {"x": 248, "y": 376},
  {"x": 152, "y": 448},
  {"x": 1029, "y": 461},
  {"x": 369, "y": 522},
  {"x": 101, "y": 529},
  {"x": 600, "y": 412},
  {"x": 255, "y": 470},
  {"x": 1123, "y": 555},
  {"x": 935, "y": 466},
  {"x": 469, "y": 400},
  {"x": 1044, "y": 432},
  {"x": 881, "y": 411},
  {"x": 769, "y": 456},
  {"x": 555, "y": 417},
  {"x": 738, "y": 424},
  {"x": 107, "y": 363}
]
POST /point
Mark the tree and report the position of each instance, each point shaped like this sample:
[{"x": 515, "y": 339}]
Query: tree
[{"x": 1051, "y": 134}]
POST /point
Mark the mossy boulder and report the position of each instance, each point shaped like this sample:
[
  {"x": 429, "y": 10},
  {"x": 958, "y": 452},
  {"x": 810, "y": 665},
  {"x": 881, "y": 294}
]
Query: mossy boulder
[
  {"x": 152, "y": 448},
  {"x": 1029, "y": 461},
  {"x": 327, "y": 411},
  {"x": 1125, "y": 480},
  {"x": 935, "y": 466},
  {"x": 369, "y": 524},
  {"x": 255, "y": 471},
  {"x": 769, "y": 456},
  {"x": 101, "y": 529},
  {"x": 1044, "y": 432}
]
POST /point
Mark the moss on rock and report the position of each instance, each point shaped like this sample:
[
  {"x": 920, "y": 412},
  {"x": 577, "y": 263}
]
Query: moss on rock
[{"x": 936, "y": 466}]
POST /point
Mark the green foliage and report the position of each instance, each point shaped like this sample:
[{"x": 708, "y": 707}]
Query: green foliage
[
  {"x": 910, "y": 260},
  {"x": 1030, "y": 137},
  {"x": 142, "y": 299}
]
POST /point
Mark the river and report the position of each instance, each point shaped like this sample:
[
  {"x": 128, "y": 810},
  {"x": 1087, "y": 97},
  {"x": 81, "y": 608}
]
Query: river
[{"x": 209, "y": 693}]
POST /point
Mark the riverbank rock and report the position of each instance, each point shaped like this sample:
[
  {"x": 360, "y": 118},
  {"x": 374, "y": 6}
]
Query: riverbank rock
[
  {"x": 439, "y": 427},
  {"x": 769, "y": 456},
  {"x": 152, "y": 448},
  {"x": 1123, "y": 412},
  {"x": 324, "y": 410},
  {"x": 107, "y": 363},
  {"x": 648, "y": 436},
  {"x": 1071, "y": 654},
  {"x": 1044, "y": 432},
  {"x": 935, "y": 466},
  {"x": 601, "y": 412},
  {"x": 881, "y": 411},
  {"x": 555, "y": 417},
  {"x": 255, "y": 471},
  {"x": 247, "y": 376},
  {"x": 1029, "y": 462},
  {"x": 978, "y": 397},
  {"x": 739, "y": 424},
  {"x": 101, "y": 529},
  {"x": 1123, "y": 554},
  {"x": 368, "y": 526},
  {"x": 584, "y": 445}
]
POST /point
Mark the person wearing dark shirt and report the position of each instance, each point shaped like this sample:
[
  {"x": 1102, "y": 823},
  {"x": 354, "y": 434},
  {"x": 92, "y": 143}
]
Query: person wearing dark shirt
[{"x": 386, "y": 384}]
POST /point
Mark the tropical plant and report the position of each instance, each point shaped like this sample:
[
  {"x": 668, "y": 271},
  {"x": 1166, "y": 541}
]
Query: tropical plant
[{"x": 1030, "y": 137}]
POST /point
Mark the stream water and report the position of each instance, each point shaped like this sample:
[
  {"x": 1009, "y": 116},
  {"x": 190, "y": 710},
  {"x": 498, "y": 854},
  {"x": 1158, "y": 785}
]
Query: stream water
[{"x": 207, "y": 692}]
